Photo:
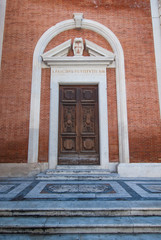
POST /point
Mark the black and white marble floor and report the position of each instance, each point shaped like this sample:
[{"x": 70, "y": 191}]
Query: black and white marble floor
[
  {"x": 111, "y": 190},
  {"x": 80, "y": 209}
]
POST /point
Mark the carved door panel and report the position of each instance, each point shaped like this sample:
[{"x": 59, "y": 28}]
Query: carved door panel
[{"x": 78, "y": 125}]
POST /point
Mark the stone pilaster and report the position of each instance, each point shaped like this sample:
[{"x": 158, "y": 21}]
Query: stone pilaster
[
  {"x": 159, "y": 1},
  {"x": 2, "y": 20}
]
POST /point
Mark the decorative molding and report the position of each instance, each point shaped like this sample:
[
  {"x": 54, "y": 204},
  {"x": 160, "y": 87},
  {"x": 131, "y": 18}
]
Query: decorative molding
[
  {"x": 157, "y": 43},
  {"x": 58, "y": 55},
  {"x": 78, "y": 18},
  {"x": 62, "y": 75},
  {"x": 78, "y": 47},
  {"x": 59, "y": 51},
  {"x": 2, "y": 21},
  {"x": 50, "y": 61},
  {"x": 95, "y": 50},
  {"x": 120, "y": 83}
]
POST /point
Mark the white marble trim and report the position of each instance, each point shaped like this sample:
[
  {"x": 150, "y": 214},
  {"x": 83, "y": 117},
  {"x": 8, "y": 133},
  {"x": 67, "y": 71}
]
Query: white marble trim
[
  {"x": 120, "y": 82},
  {"x": 139, "y": 170},
  {"x": 2, "y": 21},
  {"x": 159, "y": 1},
  {"x": 68, "y": 79},
  {"x": 157, "y": 43}
]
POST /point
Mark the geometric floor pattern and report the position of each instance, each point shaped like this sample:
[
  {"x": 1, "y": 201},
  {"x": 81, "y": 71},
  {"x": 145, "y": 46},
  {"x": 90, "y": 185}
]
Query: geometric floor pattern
[
  {"x": 9, "y": 190},
  {"x": 146, "y": 189},
  {"x": 111, "y": 190},
  {"x": 77, "y": 189}
]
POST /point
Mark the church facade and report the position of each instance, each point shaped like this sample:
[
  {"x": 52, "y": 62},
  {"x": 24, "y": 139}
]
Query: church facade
[{"x": 80, "y": 86}]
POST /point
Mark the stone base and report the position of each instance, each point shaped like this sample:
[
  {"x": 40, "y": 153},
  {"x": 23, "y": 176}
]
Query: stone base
[
  {"x": 140, "y": 170},
  {"x": 32, "y": 169},
  {"x": 148, "y": 170},
  {"x": 21, "y": 169}
]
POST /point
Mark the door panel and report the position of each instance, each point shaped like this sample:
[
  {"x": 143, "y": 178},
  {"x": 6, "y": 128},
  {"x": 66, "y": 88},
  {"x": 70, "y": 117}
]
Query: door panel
[
  {"x": 68, "y": 119},
  {"x": 78, "y": 125}
]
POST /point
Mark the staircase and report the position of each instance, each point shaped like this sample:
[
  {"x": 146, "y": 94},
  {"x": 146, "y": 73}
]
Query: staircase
[
  {"x": 79, "y": 219},
  {"x": 50, "y": 220}
]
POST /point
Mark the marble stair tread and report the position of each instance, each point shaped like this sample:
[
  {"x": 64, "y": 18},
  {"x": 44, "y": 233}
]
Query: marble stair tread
[
  {"x": 80, "y": 208},
  {"x": 78, "y": 171},
  {"x": 77, "y": 236},
  {"x": 76, "y": 175},
  {"x": 80, "y": 224}
]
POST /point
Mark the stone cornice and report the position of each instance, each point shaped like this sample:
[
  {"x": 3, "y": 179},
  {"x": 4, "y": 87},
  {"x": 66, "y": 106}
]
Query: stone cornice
[{"x": 78, "y": 61}]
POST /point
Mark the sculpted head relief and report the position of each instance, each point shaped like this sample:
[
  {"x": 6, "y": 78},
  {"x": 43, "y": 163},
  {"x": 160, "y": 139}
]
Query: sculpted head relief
[{"x": 78, "y": 47}]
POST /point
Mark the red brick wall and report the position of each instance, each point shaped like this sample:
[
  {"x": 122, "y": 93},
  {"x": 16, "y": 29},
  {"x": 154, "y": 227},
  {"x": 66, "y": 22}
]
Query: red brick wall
[
  {"x": 130, "y": 20},
  {"x": 44, "y": 116},
  {"x": 112, "y": 115}
]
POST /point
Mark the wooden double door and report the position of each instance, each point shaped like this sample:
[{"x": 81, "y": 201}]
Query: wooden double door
[{"x": 78, "y": 125}]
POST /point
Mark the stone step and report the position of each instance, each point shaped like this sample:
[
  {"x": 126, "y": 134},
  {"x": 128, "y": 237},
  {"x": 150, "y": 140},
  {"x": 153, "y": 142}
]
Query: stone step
[
  {"x": 73, "y": 225},
  {"x": 76, "y": 176},
  {"x": 79, "y": 209},
  {"x": 78, "y": 171},
  {"x": 87, "y": 213},
  {"x": 149, "y": 236}
]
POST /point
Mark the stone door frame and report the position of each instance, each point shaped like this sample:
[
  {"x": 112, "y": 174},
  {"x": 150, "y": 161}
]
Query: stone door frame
[
  {"x": 78, "y": 22},
  {"x": 96, "y": 78}
]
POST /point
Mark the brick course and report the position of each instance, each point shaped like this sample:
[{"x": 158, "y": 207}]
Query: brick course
[{"x": 130, "y": 20}]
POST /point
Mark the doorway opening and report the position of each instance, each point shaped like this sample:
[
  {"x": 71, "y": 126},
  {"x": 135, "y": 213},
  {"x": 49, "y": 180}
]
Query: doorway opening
[{"x": 78, "y": 138}]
